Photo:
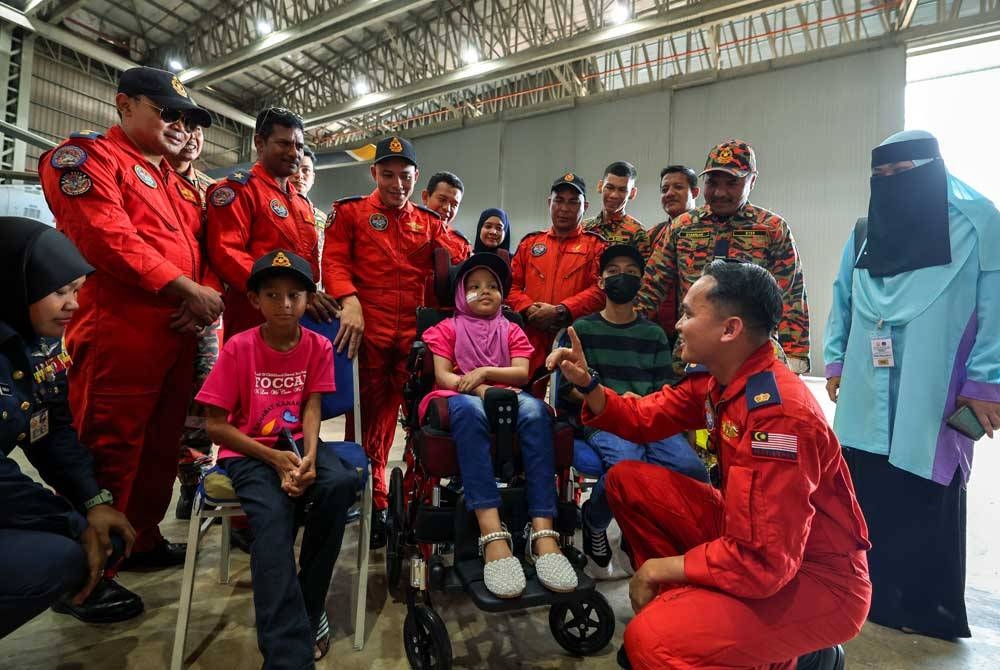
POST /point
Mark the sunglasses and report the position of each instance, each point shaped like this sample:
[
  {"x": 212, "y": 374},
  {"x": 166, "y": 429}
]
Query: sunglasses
[
  {"x": 170, "y": 115},
  {"x": 281, "y": 112}
]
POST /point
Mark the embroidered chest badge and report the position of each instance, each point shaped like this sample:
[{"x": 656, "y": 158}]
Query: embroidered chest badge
[
  {"x": 709, "y": 415},
  {"x": 144, "y": 176},
  {"x": 278, "y": 208},
  {"x": 730, "y": 430},
  {"x": 538, "y": 250},
  {"x": 775, "y": 445},
  {"x": 75, "y": 183},
  {"x": 222, "y": 196},
  {"x": 378, "y": 221}
]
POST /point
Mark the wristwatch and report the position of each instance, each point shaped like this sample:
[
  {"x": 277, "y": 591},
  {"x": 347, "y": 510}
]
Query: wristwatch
[
  {"x": 104, "y": 497},
  {"x": 595, "y": 381},
  {"x": 563, "y": 315}
]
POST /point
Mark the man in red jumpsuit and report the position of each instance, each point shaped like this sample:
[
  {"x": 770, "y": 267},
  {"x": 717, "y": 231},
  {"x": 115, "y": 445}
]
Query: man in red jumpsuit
[
  {"x": 133, "y": 341},
  {"x": 376, "y": 263},
  {"x": 555, "y": 271},
  {"x": 773, "y": 565},
  {"x": 252, "y": 213},
  {"x": 444, "y": 194}
]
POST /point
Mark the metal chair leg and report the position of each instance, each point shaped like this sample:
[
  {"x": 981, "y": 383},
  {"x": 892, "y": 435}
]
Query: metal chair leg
[
  {"x": 364, "y": 538},
  {"x": 187, "y": 589}
]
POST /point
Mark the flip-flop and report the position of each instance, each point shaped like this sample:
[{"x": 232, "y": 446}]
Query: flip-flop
[{"x": 322, "y": 637}]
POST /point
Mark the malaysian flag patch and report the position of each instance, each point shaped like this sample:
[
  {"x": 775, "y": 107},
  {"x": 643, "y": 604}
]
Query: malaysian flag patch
[{"x": 774, "y": 445}]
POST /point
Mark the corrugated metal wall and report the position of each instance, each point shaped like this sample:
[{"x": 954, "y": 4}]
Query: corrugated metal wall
[
  {"x": 813, "y": 127},
  {"x": 64, "y": 99}
]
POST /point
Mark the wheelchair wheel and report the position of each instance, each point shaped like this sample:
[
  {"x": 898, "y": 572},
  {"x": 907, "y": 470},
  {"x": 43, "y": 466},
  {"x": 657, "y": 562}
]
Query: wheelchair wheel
[
  {"x": 584, "y": 627},
  {"x": 426, "y": 639},
  {"x": 394, "y": 526}
]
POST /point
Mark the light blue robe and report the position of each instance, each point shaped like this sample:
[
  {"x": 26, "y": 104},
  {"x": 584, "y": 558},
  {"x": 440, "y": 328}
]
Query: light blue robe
[{"x": 944, "y": 323}]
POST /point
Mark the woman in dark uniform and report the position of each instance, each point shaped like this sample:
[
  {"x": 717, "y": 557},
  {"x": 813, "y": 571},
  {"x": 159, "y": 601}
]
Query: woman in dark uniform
[{"x": 53, "y": 547}]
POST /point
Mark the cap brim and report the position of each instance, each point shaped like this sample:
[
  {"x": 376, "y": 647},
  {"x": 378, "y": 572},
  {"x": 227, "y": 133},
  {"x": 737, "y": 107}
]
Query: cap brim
[
  {"x": 627, "y": 250},
  {"x": 254, "y": 280},
  {"x": 568, "y": 184},
  {"x": 483, "y": 259},
  {"x": 736, "y": 173},
  {"x": 385, "y": 158},
  {"x": 197, "y": 114}
]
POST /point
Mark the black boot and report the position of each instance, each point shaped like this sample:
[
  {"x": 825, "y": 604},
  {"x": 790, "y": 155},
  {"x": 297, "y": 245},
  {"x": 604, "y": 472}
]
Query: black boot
[
  {"x": 241, "y": 538},
  {"x": 379, "y": 537},
  {"x": 164, "y": 555},
  {"x": 831, "y": 658},
  {"x": 623, "y": 659},
  {"x": 109, "y": 602},
  {"x": 185, "y": 501}
]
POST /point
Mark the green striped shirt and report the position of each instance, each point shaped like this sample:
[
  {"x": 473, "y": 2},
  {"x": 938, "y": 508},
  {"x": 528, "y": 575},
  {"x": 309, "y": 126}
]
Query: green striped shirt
[{"x": 632, "y": 356}]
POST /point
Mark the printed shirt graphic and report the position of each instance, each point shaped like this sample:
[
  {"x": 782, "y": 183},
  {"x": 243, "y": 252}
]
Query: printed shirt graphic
[{"x": 265, "y": 390}]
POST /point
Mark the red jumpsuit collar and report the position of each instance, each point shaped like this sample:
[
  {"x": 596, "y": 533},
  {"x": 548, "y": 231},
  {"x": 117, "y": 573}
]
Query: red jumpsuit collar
[
  {"x": 760, "y": 360},
  {"x": 376, "y": 201},
  {"x": 261, "y": 173},
  {"x": 118, "y": 135},
  {"x": 576, "y": 232}
]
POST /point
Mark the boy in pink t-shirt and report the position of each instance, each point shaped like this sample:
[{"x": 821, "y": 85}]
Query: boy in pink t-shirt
[{"x": 268, "y": 380}]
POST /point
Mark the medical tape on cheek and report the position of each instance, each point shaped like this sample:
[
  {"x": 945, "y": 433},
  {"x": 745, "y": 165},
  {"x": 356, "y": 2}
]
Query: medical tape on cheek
[{"x": 471, "y": 296}]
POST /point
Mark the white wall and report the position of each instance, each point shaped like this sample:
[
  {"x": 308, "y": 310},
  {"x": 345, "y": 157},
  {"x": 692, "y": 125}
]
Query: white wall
[{"x": 813, "y": 127}]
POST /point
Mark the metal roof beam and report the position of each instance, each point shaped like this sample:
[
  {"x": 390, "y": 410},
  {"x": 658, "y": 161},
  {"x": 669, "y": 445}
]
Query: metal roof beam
[
  {"x": 562, "y": 51},
  {"x": 341, "y": 21}
]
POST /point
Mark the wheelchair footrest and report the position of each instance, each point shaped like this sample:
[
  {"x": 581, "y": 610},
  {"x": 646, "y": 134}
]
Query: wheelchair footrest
[
  {"x": 434, "y": 524},
  {"x": 470, "y": 573}
]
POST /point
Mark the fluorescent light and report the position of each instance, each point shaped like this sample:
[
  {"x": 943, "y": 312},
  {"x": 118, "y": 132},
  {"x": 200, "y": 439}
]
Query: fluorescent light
[
  {"x": 263, "y": 27},
  {"x": 175, "y": 65},
  {"x": 470, "y": 56},
  {"x": 361, "y": 87},
  {"x": 618, "y": 13}
]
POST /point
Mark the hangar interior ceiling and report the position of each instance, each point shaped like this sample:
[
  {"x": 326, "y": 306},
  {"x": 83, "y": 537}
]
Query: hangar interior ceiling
[{"x": 357, "y": 69}]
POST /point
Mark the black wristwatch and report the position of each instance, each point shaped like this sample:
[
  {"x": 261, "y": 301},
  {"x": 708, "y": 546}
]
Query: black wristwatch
[
  {"x": 595, "y": 381},
  {"x": 564, "y": 317}
]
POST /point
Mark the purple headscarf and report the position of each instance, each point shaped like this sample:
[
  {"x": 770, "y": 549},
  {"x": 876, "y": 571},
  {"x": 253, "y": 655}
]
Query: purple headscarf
[{"x": 480, "y": 341}]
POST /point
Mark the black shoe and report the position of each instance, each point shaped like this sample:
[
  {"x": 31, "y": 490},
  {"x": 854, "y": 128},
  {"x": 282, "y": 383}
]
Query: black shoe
[
  {"x": 595, "y": 542},
  {"x": 185, "y": 502},
  {"x": 623, "y": 659},
  {"x": 241, "y": 538},
  {"x": 379, "y": 535},
  {"x": 164, "y": 555},
  {"x": 831, "y": 658},
  {"x": 109, "y": 602}
]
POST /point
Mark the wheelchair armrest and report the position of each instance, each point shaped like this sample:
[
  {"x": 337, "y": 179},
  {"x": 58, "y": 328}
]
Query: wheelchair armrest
[
  {"x": 415, "y": 359},
  {"x": 501, "y": 413}
]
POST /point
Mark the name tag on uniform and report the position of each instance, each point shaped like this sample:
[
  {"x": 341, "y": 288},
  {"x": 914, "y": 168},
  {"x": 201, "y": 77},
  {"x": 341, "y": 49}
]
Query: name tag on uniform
[
  {"x": 882, "y": 352},
  {"x": 39, "y": 425}
]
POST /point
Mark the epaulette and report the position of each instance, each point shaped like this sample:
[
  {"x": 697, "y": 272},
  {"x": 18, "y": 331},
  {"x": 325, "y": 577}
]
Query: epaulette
[
  {"x": 350, "y": 198},
  {"x": 430, "y": 211},
  {"x": 459, "y": 233},
  {"x": 533, "y": 233},
  {"x": 240, "y": 176},
  {"x": 695, "y": 369},
  {"x": 86, "y": 135},
  {"x": 762, "y": 390},
  {"x": 595, "y": 234}
]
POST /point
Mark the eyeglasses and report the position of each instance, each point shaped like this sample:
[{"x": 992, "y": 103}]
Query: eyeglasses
[
  {"x": 170, "y": 115},
  {"x": 280, "y": 112}
]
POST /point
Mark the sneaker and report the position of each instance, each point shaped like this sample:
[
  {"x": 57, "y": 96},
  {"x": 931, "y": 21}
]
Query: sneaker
[
  {"x": 379, "y": 535},
  {"x": 595, "y": 542}
]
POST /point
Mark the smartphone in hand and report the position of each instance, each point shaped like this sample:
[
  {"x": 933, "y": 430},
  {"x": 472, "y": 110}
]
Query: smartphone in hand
[{"x": 964, "y": 421}]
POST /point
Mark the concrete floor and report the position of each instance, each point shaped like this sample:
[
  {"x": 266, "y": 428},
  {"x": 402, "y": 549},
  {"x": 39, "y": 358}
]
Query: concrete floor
[{"x": 222, "y": 632}]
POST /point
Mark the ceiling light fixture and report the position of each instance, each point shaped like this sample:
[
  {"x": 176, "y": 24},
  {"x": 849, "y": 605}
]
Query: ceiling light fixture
[
  {"x": 470, "y": 56},
  {"x": 619, "y": 13},
  {"x": 361, "y": 87},
  {"x": 263, "y": 27},
  {"x": 175, "y": 65}
]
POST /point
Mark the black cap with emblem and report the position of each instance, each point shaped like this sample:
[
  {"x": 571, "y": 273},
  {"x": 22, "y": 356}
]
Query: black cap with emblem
[
  {"x": 163, "y": 88},
  {"x": 395, "y": 147},
  {"x": 281, "y": 262},
  {"x": 570, "y": 179}
]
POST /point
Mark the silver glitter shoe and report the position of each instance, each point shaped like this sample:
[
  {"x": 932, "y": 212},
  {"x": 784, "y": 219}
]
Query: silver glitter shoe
[
  {"x": 554, "y": 571},
  {"x": 504, "y": 577}
]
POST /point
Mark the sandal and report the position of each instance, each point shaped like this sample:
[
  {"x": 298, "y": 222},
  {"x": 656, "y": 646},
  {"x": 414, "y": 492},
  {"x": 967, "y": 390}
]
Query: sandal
[
  {"x": 554, "y": 570},
  {"x": 322, "y": 638},
  {"x": 504, "y": 577}
]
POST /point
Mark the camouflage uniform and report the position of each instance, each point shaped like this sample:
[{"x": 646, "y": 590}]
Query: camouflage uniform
[
  {"x": 619, "y": 229},
  {"x": 196, "y": 446},
  {"x": 753, "y": 234}
]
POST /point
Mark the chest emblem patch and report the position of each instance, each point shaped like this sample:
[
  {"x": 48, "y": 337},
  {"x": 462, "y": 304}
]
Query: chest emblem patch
[
  {"x": 75, "y": 183},
  {"x": 68, "y": 156},
  {"x": 378, "y": 221},
  {"x": 730, "y": 430},
  {"x": 278, "y": 208},
  {"x": 761, "y": 397},
  {"x": 144, "y": 176},
  {"x": 538, "y": 250},
  {"x": 222, "y": 196},
  {"x": 709, "y": 415},
  {"x": 775, "y": 445}
]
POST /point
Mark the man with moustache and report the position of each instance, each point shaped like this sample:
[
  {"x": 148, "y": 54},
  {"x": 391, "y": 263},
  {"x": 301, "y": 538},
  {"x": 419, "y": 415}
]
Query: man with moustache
[
  {"x": 730, "y": 226},
  {"x": 376, "y": 263},
  {"x": 196, "y": 446},
  {"x": 252, "y": 213},
  {"x": 133, "y": 342}
]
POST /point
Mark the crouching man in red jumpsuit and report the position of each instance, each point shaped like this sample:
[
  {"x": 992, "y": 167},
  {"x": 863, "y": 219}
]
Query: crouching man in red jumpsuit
[
  {"x": 376, "y": 263},
  {"x": 138, "y": 223},
  {"x": 771, "y": 567}
]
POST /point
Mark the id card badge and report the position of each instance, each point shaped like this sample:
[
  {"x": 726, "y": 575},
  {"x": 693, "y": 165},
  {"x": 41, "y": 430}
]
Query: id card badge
[
  {"x": 39, "y": 425},
  {"x": 882, "y": 352}
]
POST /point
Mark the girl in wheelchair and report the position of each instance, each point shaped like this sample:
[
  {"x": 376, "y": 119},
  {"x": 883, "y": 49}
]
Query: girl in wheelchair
[{"x": 475, "y": 350}]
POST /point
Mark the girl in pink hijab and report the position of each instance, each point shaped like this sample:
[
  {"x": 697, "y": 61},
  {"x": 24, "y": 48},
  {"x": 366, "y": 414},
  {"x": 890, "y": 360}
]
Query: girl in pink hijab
[{"x": 474, "y": 350}]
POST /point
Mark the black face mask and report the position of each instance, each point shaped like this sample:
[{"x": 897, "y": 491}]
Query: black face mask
[{"x": 622, "y": 288}]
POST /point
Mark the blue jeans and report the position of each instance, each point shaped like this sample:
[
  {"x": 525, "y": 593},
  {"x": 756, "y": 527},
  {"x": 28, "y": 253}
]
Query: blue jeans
[
  {"x": 673, "y": 453},
  {"x": 289, "y": 607},
  {"x": 471, "y": 431}
]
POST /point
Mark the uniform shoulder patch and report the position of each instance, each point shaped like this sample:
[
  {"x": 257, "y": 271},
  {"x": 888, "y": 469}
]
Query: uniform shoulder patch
[
  {"x": 68, "y": 156},
  {"x": 430, "y": 211},
  {"x": 596, "y": 234},
  {"x": 695, "y": 369},
  {"x": 86, "y": 135},
  {"x": 240, "y": 176},
  {"x": 762, "y": 390},
  {"x": 350, "y": 198},
  {"x": 222, "y": 196},
  {"x": 74, "y": 182}
]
